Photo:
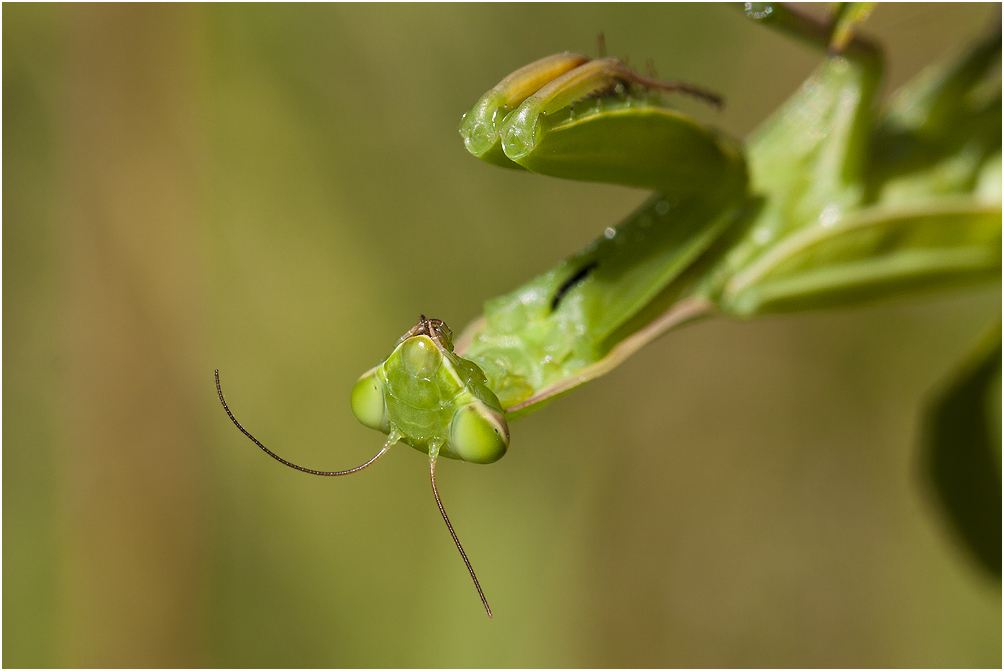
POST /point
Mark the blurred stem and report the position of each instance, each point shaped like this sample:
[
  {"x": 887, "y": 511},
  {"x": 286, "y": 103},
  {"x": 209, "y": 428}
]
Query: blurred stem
[{"x": 812, "y": 30}]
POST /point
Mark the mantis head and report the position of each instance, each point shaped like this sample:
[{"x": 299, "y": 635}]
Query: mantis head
[
  {"x": 432, "y": 399},
  {"x": 426, "y": 396}
]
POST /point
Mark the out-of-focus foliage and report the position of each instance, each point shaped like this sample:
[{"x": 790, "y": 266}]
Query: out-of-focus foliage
[
  {"x": 848, "y": 17},
  {"x": 963, "y": 451},
  {"x": 262, "y": 189}
]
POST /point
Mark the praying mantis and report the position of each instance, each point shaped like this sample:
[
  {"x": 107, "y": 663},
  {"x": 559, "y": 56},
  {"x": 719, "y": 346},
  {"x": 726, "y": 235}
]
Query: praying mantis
[{"x": 829, "y": 203}]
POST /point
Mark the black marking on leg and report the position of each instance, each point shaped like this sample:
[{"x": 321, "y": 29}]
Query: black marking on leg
[{"x": 571, "y": 282}]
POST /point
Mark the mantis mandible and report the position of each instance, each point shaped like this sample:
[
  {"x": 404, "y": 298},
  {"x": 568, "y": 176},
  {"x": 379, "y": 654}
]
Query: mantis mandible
[{"x": 811, "y": 212}]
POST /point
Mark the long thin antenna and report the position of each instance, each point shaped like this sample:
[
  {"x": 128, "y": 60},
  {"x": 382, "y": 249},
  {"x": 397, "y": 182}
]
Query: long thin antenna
[
  {"x": 435, "y": 492},
  {"x": 391, "y": 441}
]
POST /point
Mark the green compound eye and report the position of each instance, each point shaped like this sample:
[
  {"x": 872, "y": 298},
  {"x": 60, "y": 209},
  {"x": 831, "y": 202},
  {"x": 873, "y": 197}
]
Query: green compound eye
[
  {"x": 368, "y": 403},
  {"x": 478, "y": 434}
]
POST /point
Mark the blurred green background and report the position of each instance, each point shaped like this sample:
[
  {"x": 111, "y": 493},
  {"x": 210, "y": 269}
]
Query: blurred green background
[{"x": 279, "y": 191}]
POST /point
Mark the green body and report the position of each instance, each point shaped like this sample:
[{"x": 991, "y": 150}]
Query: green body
[
  {"x": 827, "y": 204},
  {"x": 553, "y": 329},
  {"x": 428, "y": 397}
]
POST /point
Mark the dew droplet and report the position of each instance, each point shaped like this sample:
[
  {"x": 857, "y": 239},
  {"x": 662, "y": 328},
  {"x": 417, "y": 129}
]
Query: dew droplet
[
  {"x": 609, "y": 233},
  {"x": 758, "y": 10},
  {"x": 829, "y": 216},
  {"x": 661, "y": 208}
]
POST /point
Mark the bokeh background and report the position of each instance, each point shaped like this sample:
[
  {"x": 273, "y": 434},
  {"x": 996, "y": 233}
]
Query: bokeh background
[{"x": 279, "y": 191}]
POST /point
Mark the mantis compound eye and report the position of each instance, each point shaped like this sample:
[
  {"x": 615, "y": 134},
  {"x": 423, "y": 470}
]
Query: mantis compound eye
[
  {"x": 479, "y": 433},
  {"x": 368, "y": 404}
]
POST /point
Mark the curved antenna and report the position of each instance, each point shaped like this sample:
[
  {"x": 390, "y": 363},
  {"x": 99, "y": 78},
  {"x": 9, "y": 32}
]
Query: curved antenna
[
  {"x": 219, "y": 390},
  {"x": 435, "y": 492}
]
